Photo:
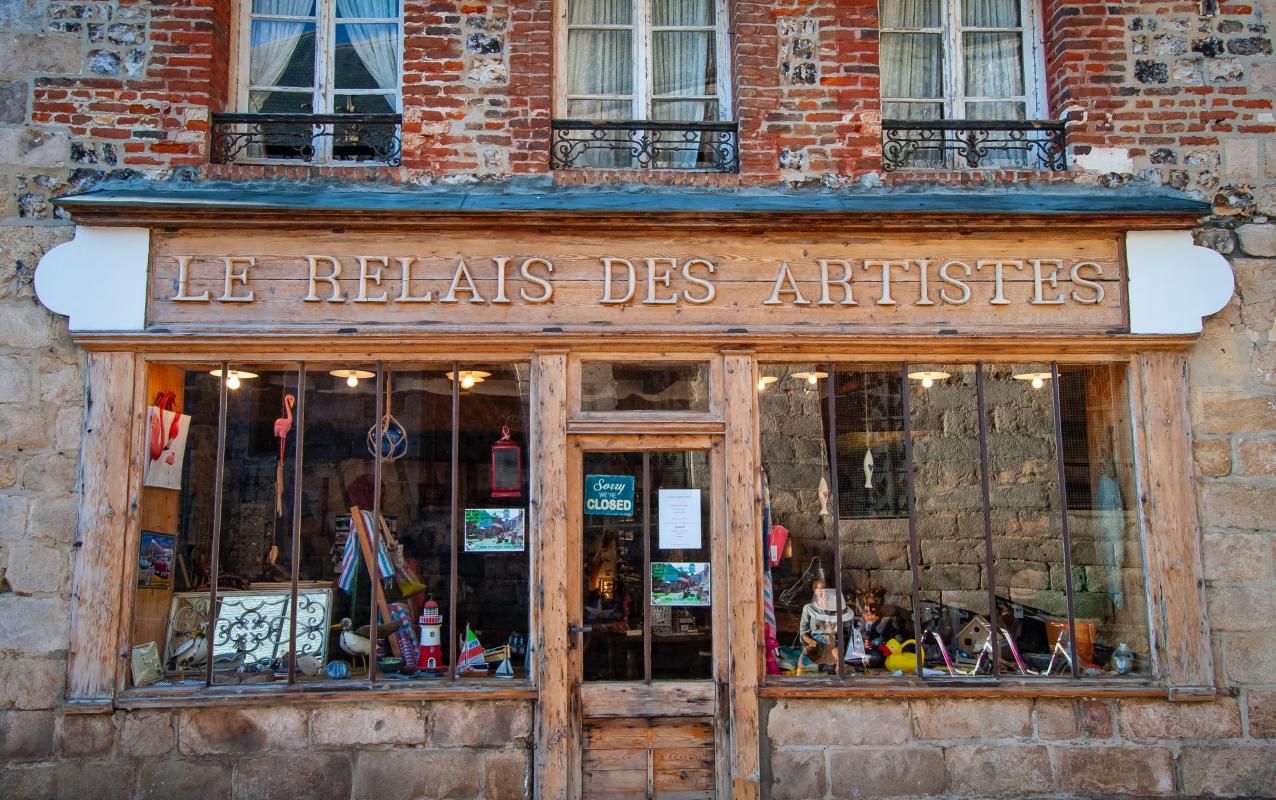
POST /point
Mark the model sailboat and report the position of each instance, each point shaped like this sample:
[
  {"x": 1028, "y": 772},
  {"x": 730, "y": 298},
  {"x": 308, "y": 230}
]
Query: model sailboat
[{"x": 471, "y": 657}]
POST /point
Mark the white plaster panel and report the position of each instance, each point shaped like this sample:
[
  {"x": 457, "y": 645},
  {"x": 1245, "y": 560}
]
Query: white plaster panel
[
  {"x": 98, "y": 279},
  {"x": 1174, "y": 284}
]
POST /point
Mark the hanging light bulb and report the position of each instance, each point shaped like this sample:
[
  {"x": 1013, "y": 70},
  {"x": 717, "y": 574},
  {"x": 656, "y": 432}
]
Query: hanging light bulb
[
  {"x": 1035, "y": 379},
  {"x": 469, "y": 378},
  {"x": 467, "y": 381},
  {"x": 928, "y": 377},
  {"x": 765, "y": 381},
  {"x": 233, "y": 376},
  {"x": 352, "y": 381},
  {"x": 812, "y": 378},
  {"x": 352, "y": 376}
]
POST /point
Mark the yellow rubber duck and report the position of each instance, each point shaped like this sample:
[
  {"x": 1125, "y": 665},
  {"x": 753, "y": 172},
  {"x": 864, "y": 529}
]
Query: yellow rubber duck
[{"x": 898, "y": 660}]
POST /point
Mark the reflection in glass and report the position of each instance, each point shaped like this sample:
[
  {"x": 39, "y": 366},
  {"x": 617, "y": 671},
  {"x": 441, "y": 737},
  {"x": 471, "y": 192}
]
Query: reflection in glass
[
  {"x": 1107, "y": 555},
  {"x": 948, "y": 511},
  {"x": 614, "y": 586},
  {"x": 631, "y": 386}
]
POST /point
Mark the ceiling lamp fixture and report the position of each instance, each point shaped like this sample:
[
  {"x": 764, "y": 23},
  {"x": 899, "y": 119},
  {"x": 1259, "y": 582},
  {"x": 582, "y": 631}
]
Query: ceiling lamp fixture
[
  {"x": 233, "y": 376},
  {"x": 1035, "y": 379},
  {"x": 469, "y": 377},
  {"x": 765, "y": 381},
  {"x": 928, "y": 377},
  {"x": 352, "y": 376},
  {"x": 811, "y": 377}
]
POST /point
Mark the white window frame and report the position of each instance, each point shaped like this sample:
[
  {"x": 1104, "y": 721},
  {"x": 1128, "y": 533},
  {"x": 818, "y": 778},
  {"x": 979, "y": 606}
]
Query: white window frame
[
  {"x": 954, "y": 97},
  {"x": 643, "y": 78},
  {"x": 323, "y": 97}
]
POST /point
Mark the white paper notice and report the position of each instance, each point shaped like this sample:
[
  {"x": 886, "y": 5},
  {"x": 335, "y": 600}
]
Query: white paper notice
[{"x": 680, "y": 519}]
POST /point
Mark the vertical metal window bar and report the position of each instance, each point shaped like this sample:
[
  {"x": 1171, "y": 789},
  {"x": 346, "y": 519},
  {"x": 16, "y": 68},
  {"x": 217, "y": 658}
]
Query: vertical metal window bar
[
  {"x": 374, "y": 530},
  {"x": 456, "y": 466},
  {"x": 1063, "y": 515},
  {"x": 219, "y": 471},
  {"x": 298, "y": 445},
  {"x": 914, "y": 551},
  {"x": 835, "y": 507},
  {"x": 646, "y": 567},
  {"x": 993, "y": 637}
]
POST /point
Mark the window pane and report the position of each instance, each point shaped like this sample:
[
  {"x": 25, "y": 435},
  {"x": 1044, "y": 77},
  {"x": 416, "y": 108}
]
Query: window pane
[
  {"x": 990, "y": 13},
  {"x": 416, "y": 503},
  {"x": 285, "y": 8},
  {"x": 685, "y": 111},
  {"x": 363, "y": 104},
  {"x": 682, "y": 12},
  {"x": 599, "y": 110},
  {"x": 912, "y": 65},
  {"x": 283, "y": 54},
  {"x": 1107, "y": 556},
  {"x": 911, "y": 13},
  {"x": 599, "y": 12},
  {"x": 801, "y": 625},
  {"x": 249, "y": 636},
  {"x": 339, "y": 471},
  {"x": 366, "y": 57},
  {"x": 994, "y": 64},
  {"x": 948, "y": 508},
  {"x": 171, "y": 573},
  {"x": 613, "y": 580},
  {"x": 1027, "y": 528},
  {"x": 283, "y": 103},
  {"x": 683, "y": 63},
  {"x": 599, "y": 62},
  {"x": 622, "y": 386},
  {"x": 681, "y": 578},
  {"x": 912, "y": 110},
  {"x": 367, "y": 9},
  {"x": 994, "y": 110},
  {"x": 492, "y": 563}
]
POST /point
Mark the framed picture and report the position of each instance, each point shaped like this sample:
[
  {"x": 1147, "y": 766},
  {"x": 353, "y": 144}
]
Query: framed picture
[
  {"x": 155, "y": 561},
  {"x": 166, "y": 433},
  {"x": 495, "y": 530},
  {"x": 680, "y": 583}
]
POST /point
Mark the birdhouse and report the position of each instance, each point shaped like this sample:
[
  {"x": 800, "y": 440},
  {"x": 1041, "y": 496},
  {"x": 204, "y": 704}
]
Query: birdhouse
[{"x": 507, "y": 466}]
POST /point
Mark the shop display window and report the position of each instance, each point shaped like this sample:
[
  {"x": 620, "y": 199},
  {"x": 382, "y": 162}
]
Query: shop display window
[
  {"x": 983, "y": 527},
  {"x": 640, "y": 386},
  {"x": 313, "y": 561}
]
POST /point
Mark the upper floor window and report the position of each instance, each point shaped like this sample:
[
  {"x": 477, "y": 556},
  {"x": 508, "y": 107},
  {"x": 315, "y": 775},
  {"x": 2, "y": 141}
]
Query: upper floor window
[
  {"x": 662, "y": 61},
  {"x": 317, "y": 58},
  {"x": 958, "y": 59}
]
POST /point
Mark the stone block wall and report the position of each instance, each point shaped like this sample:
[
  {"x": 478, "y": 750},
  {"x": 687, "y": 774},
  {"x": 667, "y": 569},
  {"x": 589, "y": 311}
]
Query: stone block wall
[
  {"x": 1018, "y": 748},
  {"x": 392, "y": 750}
]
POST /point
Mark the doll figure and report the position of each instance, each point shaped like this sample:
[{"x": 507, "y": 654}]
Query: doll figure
[
  {"x": 818, "y": 627},
  {"x": 877, "y": 622}
]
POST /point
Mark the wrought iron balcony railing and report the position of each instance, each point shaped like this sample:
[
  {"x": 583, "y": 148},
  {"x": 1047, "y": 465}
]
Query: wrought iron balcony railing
[
  {"x": 637, "y": 144},
  {"x": 308, "y": 138},
  {"x": 972, "y": 144}
]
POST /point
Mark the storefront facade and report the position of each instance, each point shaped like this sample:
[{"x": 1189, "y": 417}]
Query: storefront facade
[
  {"x": 627, "y": 398},
  {"x": 630, "y": 472}
]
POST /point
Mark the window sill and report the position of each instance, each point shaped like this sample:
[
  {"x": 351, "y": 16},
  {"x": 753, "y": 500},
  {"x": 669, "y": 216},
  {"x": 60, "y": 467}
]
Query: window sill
[
  {"x": 894, "y": 688},
  {"x": 325, "y": 692}
]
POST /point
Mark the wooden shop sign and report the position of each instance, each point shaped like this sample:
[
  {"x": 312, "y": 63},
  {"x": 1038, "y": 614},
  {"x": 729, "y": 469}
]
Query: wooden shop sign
[{"x": 1056, "y": 282}]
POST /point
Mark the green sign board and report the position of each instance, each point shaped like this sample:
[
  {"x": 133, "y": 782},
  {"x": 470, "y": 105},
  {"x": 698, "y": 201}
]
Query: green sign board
[{"x": 609, "y": 495}]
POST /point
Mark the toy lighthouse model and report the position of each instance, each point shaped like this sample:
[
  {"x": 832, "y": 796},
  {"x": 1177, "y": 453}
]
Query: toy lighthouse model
[{"x": 431, "y": 653}]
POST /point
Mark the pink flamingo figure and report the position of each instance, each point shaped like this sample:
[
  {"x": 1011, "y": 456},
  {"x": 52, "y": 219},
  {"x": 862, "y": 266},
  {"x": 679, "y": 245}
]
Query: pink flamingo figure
[{"x": 282, "y": 426}]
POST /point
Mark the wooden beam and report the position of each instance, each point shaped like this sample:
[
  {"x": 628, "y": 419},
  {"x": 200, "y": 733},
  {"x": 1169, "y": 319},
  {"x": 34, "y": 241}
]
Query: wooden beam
[
  {"x": 557, "y": 772},
  {"x": 108, "y": 508},
  {"x": 744, "y": 589},
  {"x": 1172, "y": 531}
]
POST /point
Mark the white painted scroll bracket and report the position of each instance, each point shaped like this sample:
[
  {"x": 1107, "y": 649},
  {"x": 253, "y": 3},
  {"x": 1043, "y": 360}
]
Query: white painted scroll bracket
[
  {"x": 1173, "y": 283},
  {"x": 98, "y": 279}
]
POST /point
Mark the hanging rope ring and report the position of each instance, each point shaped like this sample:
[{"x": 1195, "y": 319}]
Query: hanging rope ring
[{"x": 394, "y": 437}]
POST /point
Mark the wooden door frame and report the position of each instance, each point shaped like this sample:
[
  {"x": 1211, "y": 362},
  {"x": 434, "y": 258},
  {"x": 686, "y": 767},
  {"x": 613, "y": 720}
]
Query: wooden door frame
[{"x": 714, "y": 445}]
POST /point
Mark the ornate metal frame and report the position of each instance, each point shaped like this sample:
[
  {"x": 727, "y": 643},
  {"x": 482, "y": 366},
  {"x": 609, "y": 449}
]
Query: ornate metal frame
[
  {"x": 239, "y": 138},
  {"x": 973, "y": 144},
  {"x": 649, "y": 145}
]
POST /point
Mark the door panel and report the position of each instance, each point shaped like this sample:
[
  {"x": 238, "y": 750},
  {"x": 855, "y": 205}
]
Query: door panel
[{"x": 648, "y": 699}]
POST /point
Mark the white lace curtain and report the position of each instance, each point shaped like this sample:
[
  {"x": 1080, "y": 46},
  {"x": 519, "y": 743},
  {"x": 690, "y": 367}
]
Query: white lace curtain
[
  {"x": 376, "y": 44},
  {"x": 273, "y": 43}
]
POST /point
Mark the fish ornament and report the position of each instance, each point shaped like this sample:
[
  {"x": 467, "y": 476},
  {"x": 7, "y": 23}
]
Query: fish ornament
[{"x": 868, "y": 469}]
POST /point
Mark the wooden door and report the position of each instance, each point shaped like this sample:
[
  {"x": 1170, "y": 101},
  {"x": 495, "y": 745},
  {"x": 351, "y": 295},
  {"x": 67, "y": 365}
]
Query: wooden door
[{"x": 648, "y": 627}]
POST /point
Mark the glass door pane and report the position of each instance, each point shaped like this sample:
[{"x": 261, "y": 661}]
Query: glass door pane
[
  {"x": 681, "y": 640},
  {"x": 612, "y": 531}
]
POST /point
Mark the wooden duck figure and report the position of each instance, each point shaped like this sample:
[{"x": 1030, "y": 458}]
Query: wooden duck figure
[{"x": 192, "y": 652}]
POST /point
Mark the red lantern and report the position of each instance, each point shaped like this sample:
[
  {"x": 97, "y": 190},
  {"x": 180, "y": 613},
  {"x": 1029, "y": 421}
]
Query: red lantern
[{"x": 507, "y": 466}]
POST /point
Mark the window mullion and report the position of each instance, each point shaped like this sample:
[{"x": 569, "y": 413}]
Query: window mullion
[
  {"x": 325, "y": 37},
  {"x": 642, "y": 59},
  {"x": 994, "y": 633},
  {"x": 835, "y": 506},
  {"x": 955, "y": 62},
  {"x": 1063, "y": 516}
]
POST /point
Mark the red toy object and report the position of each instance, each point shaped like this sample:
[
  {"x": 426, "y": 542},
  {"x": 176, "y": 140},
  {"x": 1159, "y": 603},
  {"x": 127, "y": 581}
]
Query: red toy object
[
  {"x": 430, "y": 655},
  {"x": 507, "y": 466}
]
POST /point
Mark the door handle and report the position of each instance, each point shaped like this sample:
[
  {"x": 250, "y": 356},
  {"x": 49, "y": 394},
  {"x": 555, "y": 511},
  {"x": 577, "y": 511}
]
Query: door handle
[{"x": 574, "y": 632}]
